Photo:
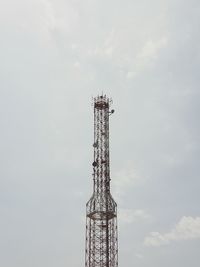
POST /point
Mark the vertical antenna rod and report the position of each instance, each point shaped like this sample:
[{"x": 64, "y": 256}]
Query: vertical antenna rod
[{"x": 101, "y": 209}]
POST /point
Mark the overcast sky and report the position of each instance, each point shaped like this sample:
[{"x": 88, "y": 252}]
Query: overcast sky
[{"x": 54, "y": 56}]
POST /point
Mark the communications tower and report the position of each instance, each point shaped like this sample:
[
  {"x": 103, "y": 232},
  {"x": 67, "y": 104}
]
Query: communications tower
[{"x": 101, "y": 210}]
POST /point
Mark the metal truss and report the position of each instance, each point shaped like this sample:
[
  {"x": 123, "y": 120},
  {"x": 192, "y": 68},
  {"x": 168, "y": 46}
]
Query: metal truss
[{"x": 101, "y": 209}]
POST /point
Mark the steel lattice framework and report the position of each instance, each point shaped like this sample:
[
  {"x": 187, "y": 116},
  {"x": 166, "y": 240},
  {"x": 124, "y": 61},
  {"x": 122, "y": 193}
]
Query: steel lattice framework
[{"x": 101, "y": 209}]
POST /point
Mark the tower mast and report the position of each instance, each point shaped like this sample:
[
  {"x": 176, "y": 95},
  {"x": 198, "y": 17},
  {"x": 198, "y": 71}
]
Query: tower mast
[{"x": 101, "y": 209}]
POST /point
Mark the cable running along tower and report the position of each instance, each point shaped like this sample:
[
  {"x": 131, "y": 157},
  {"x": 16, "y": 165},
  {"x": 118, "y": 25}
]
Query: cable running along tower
[{"x": 101, "y": 209}]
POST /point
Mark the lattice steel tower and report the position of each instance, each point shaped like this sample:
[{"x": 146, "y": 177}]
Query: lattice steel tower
[{"x": 101, "y": 209}]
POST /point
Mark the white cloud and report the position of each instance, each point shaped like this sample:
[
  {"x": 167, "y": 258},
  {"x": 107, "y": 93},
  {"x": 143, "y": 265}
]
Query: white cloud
[
  {"x": 187, "y": 228},
  {"x": 139, "y": 256},
  {"x": 77, "y": 65},
  {"x": 149, "y": 52},
  {"x": 128, "y": 216},
  {"x": 151, "y": 48},
  {"x": 50, "y": 17},
  {"x": 124, "y": 180},
  {"x": 131, "y": 74}
]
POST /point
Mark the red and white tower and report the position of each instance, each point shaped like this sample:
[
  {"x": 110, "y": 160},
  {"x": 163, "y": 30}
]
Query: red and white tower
[{"x": 101, "y": 209}]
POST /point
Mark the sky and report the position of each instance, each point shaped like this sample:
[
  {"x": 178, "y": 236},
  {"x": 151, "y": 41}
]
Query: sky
[{"x": 55, "y": 55}]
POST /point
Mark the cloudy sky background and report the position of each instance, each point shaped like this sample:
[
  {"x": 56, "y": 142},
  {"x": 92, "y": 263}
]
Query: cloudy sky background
[{"x": 57, "y": 54}]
